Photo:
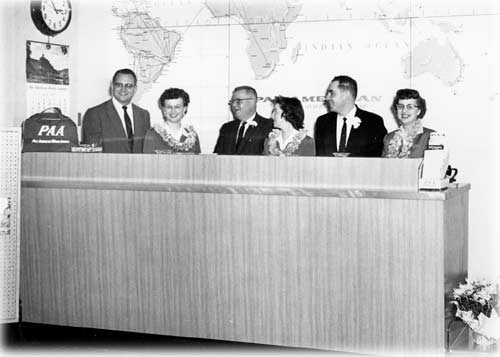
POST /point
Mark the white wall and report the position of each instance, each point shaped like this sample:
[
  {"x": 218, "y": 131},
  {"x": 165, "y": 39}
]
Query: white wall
[
  {"x": 473, "y": 130},
  {"x": 16, "y": 28},
  {"x": 6, "y": 63}
]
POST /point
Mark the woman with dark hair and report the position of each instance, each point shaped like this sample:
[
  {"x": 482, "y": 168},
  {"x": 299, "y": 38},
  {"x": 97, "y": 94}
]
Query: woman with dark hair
[
  {"x": 172, "y": 136},
  {"x": 288, "y": 138},
  {"x": 411, "y": 139}
]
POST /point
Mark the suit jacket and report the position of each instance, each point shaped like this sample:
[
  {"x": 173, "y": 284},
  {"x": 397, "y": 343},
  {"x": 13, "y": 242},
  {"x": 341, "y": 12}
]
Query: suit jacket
[
  {"x": 420, "y": 143},
  {"x": 253, "y": 141},
  {"x": 366, "y": 140},
  {"x": 102, "y": 123}
]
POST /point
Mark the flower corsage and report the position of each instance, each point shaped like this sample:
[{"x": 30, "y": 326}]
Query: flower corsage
[
  {"x": 292, "y": 146},
  {"x": 178, "y": 145}
]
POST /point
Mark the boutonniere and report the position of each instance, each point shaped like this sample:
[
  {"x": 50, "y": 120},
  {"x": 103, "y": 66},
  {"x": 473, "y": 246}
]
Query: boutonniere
[
  {"x": 252, "y": 123},
  {"x": 356, "y": 122}
]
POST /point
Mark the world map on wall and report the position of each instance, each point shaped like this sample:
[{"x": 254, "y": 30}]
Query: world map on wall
[
  {"x": 294, "y": 47},
  {"x": 153, "y": 45}
]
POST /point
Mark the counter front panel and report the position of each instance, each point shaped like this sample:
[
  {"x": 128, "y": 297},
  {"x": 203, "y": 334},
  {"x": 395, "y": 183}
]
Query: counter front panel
[{"x": 359, "y": 274}]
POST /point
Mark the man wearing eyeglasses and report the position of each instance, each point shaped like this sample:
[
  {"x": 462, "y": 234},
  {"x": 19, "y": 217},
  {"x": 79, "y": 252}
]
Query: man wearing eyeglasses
[
  {"x": 246, "y": 133},
  {"x": 117, "y": 125},
  {"x": 347, "y": 129}
]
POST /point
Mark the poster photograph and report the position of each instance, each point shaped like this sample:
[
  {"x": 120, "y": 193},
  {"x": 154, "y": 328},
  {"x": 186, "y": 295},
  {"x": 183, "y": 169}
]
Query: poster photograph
[{"x": 6, "y": 214}]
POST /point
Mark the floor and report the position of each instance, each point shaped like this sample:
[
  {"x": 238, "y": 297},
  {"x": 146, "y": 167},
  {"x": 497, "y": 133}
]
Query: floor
[
  {"x": 33, "y": 338},
  {"x": 30, "y": 339}
]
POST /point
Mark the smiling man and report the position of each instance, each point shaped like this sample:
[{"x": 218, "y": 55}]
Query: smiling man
[
  {"x": 118, "y": 125},
  {"x": 246, "y": 133},
  {"x": 347, "y": 129}
]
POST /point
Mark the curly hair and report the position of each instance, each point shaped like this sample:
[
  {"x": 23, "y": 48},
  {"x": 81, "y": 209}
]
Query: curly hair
[
  {"x": 408, "y": 93},
  {"x": 174, "y": 93},
  {"x": 292, "y": 110}
]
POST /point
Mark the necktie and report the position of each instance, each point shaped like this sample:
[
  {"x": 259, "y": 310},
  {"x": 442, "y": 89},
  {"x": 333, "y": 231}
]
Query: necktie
[
  {"x": 128, "y": 126},
  {"x": 343, "y": 135},
  {"x": 240, "y": 135}
]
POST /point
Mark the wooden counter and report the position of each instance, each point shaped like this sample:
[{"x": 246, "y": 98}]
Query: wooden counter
[{"x": 332, "y": 253}]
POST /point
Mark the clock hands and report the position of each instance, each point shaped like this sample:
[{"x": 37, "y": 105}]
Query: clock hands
[
  {"x": 54, "y": 7},
  {"x": 51, "y": 17}
]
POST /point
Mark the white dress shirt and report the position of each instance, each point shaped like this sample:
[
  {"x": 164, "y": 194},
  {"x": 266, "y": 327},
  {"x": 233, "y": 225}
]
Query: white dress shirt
[
  {"x": 118, "y": 106},
  {"x": 246, "y": 126}
]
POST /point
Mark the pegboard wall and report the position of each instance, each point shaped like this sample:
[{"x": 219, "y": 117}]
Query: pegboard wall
[{"x": 10, "y": 183}]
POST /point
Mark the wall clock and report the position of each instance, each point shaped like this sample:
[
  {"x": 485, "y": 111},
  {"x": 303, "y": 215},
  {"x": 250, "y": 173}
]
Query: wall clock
[{"x": 51, "y": 17}]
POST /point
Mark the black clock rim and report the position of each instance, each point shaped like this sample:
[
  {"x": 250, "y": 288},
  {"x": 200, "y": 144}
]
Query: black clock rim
[{"x": 36, "y": 16}]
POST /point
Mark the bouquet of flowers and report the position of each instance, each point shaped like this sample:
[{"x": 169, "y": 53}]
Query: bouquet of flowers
[{"x": 477, "y": 304}]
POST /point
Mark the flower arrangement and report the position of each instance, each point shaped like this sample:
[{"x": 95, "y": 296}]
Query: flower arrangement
[{"x": 477, "y": 304}]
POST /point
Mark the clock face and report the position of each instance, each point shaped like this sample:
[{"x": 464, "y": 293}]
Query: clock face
[
  {"x": 56, "y": 14},
  {"x": 51, "y": 17}
]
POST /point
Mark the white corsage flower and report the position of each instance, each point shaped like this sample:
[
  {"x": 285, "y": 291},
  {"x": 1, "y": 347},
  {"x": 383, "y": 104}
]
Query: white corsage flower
[
  {"x": 252, "y": 123},
  {"x": 273, "y": 135},
  {"x": 356, "y": 122}
]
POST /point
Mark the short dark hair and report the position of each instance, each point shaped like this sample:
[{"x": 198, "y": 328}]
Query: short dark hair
[
  {"x": 246, "y": 88},
  {"x": 347, "y": 83},
  {"x": 408, "y": 93},
  {"x": 292, "y": 110},
  {"x": 126, "y": 71},
  {"x": 174, "y": 93}
]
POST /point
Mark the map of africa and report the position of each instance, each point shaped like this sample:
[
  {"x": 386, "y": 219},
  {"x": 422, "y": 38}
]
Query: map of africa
[
  {"x": 265, "y": 24},
  {"x": 295, "y": 47}
]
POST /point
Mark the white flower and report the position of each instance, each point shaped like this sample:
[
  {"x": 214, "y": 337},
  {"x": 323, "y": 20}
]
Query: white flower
[
  {"x": 467, "y": 288},
  {"x": 459, "y": 291},
  {"x": 252, "y": 122},
  {"x": 356, "y": 122},
  {"x": 482, "y": 296},
  {"x": 274, "y": 133}
]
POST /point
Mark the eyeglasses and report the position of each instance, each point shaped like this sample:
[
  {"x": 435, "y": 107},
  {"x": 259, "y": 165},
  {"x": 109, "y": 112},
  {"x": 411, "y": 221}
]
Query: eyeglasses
[
  {"x": 238, "y": 101},
  {"x": 127, "y": 86},
  {"x": 175, "y": 107},
  {"x": 408, "y": 106}
]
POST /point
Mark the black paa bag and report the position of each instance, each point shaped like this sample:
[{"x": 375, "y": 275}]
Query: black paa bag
[{"x": 49, "y": 130}]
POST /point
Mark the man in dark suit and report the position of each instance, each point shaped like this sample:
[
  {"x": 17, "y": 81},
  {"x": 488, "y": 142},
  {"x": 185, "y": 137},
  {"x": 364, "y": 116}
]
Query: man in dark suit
[
  {"x": 346, "y": 128},
  {"x": 245, "y": 135},
  {"x": 118, "y": 125}
]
